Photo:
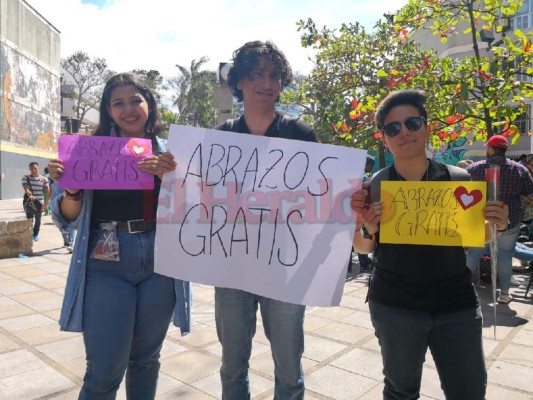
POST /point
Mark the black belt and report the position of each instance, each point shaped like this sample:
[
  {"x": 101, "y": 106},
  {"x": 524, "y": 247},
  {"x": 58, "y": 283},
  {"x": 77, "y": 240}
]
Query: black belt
[{"x": 131, "y": 226}]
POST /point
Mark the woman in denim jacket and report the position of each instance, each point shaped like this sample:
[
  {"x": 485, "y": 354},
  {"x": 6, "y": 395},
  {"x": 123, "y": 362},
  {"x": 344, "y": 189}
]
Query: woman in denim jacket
[{"x": 122, "y": 307}]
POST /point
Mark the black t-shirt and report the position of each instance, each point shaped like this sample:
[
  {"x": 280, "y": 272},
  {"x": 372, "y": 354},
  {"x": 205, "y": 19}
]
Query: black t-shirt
[
  {"x": 125, "y": 205},
  {"x": 422, "y": 277},
  {"x": 281, "y": 126}
]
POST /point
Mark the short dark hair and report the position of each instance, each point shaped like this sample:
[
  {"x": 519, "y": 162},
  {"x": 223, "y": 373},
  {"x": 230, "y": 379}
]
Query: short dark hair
[
  {"x": 33, "y": 163},
  {"x": 153, "y": 125},
  {"x": 415, "y": 98},
  {"x": 246, "y": 59},
  {"x": 370, "y": 160}
]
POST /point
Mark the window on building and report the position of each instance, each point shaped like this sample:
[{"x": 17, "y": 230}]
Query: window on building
[
  {"x": 524, "y": 17},
  {"x": 521, "y": 76}
]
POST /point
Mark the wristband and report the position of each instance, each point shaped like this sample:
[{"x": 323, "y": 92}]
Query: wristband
[
  {"x": 73, "y": 196},
  {"x": 367, "y": 235}
]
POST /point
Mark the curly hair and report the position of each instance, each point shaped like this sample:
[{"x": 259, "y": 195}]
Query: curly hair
[
  {"x": 153, "y": 124},
  {"x": 246, "y": 59},
  {"x": 415, "y": 98}
]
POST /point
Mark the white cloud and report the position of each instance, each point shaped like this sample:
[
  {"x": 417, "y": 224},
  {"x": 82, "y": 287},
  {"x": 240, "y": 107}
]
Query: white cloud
[{"x": 157, "y": 34}]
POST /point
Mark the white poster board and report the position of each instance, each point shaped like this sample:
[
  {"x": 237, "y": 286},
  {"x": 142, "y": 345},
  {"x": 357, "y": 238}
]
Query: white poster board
[{"x": 269, "y": 216}]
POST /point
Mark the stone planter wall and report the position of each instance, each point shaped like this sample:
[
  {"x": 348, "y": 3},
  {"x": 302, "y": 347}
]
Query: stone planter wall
[{"x": 15, "y": 237}]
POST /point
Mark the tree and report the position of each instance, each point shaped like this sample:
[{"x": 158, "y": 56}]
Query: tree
[
  {"x": 153, "y": 79},
  {"x": 481, "y": 94},
  {"x": 353, "y": 70},
  {"x": 167, "y": 117},
  {"x": 194, "y": 94},
  {"x": 86, "y": 76}
]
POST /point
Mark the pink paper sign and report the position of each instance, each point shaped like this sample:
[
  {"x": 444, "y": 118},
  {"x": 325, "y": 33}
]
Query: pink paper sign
[{"x": 103, "y": 162}]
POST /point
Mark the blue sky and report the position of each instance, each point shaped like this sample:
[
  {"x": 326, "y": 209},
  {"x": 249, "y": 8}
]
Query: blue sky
[
  {"x": 157, "y": 34},
  {"x": 98, "y": 3}
]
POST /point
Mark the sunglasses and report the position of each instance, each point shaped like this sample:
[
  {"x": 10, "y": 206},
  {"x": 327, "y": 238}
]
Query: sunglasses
[{"x": 413, "y": 124}]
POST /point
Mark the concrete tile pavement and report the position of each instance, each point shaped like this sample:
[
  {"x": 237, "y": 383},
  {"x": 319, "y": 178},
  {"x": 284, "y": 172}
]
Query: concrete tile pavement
[{"x": 341, "y": 358}]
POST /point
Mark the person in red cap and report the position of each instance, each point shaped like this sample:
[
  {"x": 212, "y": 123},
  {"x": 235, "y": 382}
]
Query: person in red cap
[{"x": 515, "y": 181}]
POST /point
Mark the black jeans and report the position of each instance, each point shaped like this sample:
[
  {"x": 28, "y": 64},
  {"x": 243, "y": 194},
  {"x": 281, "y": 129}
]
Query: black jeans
[{"x": 36, "y": 220}]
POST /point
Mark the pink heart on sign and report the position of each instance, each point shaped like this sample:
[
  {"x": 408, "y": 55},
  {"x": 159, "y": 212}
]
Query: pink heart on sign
[
  {"x": 136, "y": 148},
  {"x": 465, "y": 199}
]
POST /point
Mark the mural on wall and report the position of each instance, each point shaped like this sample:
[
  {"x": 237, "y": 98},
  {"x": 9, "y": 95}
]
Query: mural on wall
[
  {"x": 30, "y": 102},
  {"x": 453, "y": 152}
]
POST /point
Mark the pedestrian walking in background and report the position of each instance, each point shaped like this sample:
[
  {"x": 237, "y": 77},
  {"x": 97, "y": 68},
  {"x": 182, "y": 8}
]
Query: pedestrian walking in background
[{"x": 37, "y": 190}]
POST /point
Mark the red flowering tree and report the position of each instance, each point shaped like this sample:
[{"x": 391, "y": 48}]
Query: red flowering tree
[
  {"x": 354, "y": 69},
  {"x": 470, "y": 98},
  {"x": 484, "y": 92}
]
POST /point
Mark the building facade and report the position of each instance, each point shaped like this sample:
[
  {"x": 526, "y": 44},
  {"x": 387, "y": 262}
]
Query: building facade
[{"x": 30, "y": 103}]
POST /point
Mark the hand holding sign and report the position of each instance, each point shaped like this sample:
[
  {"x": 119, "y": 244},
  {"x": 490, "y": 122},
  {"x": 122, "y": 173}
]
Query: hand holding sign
[{"x": 158, "y": 165}]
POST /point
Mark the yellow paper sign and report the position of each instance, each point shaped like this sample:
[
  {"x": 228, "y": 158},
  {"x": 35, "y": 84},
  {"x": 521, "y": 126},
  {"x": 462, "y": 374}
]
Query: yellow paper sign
[{"x": 434, "y": 213}]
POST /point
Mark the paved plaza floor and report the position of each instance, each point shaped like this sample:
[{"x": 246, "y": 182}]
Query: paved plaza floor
[{"x": 341, "y": 359}]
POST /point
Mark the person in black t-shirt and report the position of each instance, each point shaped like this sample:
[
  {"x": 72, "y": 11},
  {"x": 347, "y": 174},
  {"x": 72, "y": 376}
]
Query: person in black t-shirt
[
  {"x": 259, "y": 72},
  {"x": 421, "y": 296}
]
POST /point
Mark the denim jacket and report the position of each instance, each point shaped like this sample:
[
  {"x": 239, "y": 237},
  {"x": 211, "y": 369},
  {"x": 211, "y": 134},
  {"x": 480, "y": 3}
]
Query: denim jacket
[{"x": 72, "y": 310}]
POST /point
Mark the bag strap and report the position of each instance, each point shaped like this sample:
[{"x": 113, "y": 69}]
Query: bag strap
[
  {"x": 29, "y": 183},
  {"x": 375, "y": 183},
  {"x": 457, "y": 174}
]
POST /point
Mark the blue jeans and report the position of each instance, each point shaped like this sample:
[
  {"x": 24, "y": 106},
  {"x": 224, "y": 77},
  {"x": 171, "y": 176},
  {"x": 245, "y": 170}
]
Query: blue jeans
[
  {"x": 455, "y": 343},
  {"x": 506, "y": 249},
  {"x": 235, "y": 314},
  {"x": 69, "y": 235},
  {"x": 126, "y": 314},
  {"x": 523, "y": 252}
]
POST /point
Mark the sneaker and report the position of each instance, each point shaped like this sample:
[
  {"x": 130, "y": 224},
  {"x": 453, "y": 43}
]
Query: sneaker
[
  {"x": 69, "y": 249},
  {"x": 36, "y": 238},
  {"x": 504, "y": 298}
]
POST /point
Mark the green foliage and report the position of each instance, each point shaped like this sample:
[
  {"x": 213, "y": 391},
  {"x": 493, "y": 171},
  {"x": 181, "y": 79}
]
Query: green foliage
[
  {"x": 483, "y": 92},
  {"x": 153, "y": 79},
  {"x": 167, "y": 118},
  {"x": 473, "y": 96},
  {"x": 194, "y": 94},
  {"x": 353, "y": 70}
]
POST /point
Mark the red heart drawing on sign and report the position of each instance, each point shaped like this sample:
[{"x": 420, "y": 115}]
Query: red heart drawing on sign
[
  {"x": 465, "y": 199},
  {"x": 137, "y": 149}
]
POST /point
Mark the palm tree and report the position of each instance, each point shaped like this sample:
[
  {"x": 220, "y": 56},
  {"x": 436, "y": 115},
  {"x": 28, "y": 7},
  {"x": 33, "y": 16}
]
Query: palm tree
[{"x": 194, "y": 94}]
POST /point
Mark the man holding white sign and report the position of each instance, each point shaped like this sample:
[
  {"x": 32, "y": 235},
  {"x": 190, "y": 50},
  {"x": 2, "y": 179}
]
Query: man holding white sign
[
  {"x": 258, "y": 74},
  {"x": 259, "y": 217}
]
